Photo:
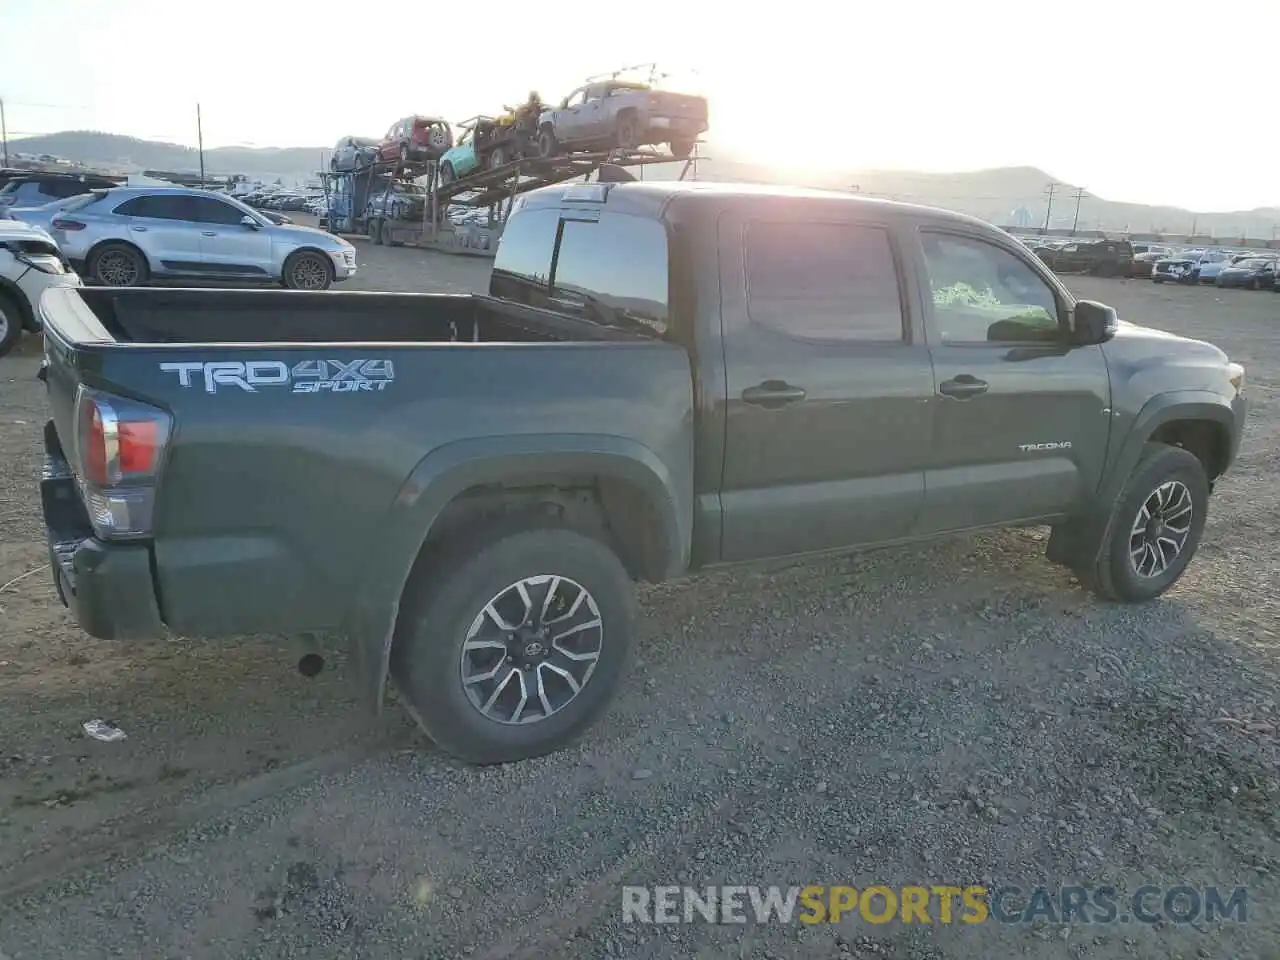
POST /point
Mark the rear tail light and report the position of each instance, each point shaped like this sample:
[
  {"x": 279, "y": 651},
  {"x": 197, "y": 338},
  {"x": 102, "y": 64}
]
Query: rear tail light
[
  {"x": 60, "y": 223},
  {"x": 120, "y": 447}
]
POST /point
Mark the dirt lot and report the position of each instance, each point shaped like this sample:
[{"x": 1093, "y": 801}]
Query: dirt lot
[{"x": 960, "y": 714}]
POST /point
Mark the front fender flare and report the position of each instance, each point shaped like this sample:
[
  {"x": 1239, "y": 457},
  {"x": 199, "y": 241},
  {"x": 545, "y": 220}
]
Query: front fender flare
[
  {"x": 453, "y": 468},
  {"x": 1161, "y": 409}
]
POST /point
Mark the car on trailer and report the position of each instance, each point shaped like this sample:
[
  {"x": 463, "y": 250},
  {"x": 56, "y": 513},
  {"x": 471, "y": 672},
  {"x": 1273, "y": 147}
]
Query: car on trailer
[
  {"x": 415, "y": 139},
  {"x": 614, "y": 113}
]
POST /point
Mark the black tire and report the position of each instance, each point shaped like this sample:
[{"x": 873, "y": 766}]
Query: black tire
[
  {"x": 10, "y": 322},
  {"x": 681, "y": 149},
  {"x": 118, "y": 265},
  {"x": 452, "y": 594},
  {"x": 1157, "y": 280},
  {"x": 628, "y": 132},
  {"x": 548, "y": 146},
  {"x": 446, "y": 173},
  {"x": 1114, "y": 575},
  {"x": 308, "y": 270},
  {"x": 497, "y": 157}
]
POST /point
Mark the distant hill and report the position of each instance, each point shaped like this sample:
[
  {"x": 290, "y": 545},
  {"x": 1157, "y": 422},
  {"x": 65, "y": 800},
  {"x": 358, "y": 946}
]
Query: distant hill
[
  {"x": 1004, "y": 195},
  {"x": 129, "y": 154}
]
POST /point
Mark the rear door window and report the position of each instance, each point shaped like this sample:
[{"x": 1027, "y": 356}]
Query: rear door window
[
  {"x": 155, "y": 207},
  {"x": 612, "y": 270},
  {"x": 823, "y": 281}
]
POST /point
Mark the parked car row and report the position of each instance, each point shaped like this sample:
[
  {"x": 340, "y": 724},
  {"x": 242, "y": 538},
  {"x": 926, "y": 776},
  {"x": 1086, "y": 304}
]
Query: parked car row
[
  {"x": 1121, "y": 258},
  {"x": 1221, "y": 267},
  {"x": 599, "y": 115}
]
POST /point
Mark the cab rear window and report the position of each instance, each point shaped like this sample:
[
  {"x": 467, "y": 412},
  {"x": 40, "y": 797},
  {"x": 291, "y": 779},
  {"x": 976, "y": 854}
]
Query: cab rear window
[{"x": 603, "y": 267}]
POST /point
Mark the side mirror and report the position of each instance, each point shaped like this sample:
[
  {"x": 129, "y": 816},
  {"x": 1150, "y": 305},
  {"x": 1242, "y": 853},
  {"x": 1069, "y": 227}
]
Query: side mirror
[
  {"x": 248, "y": 221},
  {"x": 1093, "y": 322}
]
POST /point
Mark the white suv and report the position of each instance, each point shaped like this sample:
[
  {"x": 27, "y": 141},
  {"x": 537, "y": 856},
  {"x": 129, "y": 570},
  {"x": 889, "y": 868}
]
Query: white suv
[{"x": 30, "y": 263}]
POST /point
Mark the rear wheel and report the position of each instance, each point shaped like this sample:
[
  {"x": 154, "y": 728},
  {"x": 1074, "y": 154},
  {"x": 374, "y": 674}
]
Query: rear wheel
[
  {"x": 117, "y": 265},
  {"x": 10, "y": 323},
  {"x": 498, "y": 157},
  {"x": 681, "y": 149},
  {"x": 628, "y": 132},
  {"x": 308, "y": 270},
  {"x": 514, "y": 642},
  {"x": 438, "y": 139}
]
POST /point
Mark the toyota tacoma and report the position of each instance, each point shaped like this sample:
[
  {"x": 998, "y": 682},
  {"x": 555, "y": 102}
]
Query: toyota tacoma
[{"x": 663, "y": 377}]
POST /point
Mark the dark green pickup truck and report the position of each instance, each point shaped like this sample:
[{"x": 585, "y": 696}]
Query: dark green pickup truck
[{"x": 664, "y": 377}]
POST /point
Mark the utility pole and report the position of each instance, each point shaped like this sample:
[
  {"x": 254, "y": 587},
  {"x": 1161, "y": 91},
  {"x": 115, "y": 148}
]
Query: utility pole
[
  {"x": 4, "y": 133},
  {"x": 1074, "y": 223},
  {"x": 1048, "y": 210},
  {"x": 200, "y": 141},
  {"x": 1194, "y": 222}
]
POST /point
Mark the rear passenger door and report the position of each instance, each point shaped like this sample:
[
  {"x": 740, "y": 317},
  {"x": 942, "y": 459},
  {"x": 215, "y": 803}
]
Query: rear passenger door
[
  {"x": 159, "y": 224},
  {"x": 828, "y": 421},
  {"x": 1022, "y": 416}
]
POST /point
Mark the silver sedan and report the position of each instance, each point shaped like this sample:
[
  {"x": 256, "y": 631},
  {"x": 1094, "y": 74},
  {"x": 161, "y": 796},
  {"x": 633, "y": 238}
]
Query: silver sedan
[{"x": 129, "y": 235}]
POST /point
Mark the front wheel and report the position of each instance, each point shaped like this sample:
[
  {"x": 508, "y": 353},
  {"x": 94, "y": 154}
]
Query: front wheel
[
  {"x": 514, "y": 642},
  {"x": 1156, "y": 525},
  {"x": 498, "y": 158},
  {"x": 308, "y": 270},
  {"x": 10, "y": 323},
  {"x": 548, "y": 146}
]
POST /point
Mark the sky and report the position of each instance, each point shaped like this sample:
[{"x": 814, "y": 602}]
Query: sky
[{"x": 1133, "y": 100}]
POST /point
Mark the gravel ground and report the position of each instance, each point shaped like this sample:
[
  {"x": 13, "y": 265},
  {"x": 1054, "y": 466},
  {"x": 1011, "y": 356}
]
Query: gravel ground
[{"x": 958, "y": 714}]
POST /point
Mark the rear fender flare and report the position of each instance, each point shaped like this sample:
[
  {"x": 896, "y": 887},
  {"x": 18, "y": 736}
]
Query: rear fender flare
[{"x": 456, "y": 467}]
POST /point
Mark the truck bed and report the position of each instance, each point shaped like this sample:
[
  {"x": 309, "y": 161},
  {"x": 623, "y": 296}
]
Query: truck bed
[{"x": 159, "y": 315}]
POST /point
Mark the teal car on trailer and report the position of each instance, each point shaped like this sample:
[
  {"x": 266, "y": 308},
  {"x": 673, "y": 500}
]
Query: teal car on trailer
[{"x": 461, "y": 160}]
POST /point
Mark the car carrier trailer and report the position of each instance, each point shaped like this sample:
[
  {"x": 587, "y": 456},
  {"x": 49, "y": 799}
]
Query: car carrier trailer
[{"x": 486, "y": 195}]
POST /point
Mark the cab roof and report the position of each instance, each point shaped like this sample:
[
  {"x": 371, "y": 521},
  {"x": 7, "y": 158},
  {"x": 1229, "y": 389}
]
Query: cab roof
[{"x": 654, "y": 198}]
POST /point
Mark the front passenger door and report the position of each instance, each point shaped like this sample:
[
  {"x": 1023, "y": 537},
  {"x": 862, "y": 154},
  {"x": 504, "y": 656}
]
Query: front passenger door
[
  {"x": 1021, "y": 417},
  {"x": 227, "y": 246}
]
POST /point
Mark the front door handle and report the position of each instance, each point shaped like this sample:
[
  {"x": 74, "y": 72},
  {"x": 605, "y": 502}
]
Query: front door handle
[
  {"x": 962, "y": 387},
  {"x": 208, "y": 233},
  {"x": 138, "y": 229},
  {"x": 773, "y": 393}
]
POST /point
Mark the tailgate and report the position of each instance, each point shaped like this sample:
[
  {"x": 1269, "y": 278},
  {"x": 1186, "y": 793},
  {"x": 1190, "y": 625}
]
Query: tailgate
[{"x": 679, "y": 105}]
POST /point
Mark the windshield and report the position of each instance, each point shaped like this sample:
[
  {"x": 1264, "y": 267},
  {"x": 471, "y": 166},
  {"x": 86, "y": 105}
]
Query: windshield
[{"x": 1254, "y": 263}]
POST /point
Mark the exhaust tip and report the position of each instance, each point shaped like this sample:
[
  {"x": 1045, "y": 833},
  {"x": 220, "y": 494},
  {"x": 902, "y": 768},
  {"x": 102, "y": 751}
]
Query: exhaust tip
[{"x": 310, "y": 664}]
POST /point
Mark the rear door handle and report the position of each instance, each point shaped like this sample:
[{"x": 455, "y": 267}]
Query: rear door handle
[
  {"x": 208, "y": 233},
  {"x": 962, "y": 387},
  {"x": 773, "y": 393},
  {"x": 138, "y": 229}
]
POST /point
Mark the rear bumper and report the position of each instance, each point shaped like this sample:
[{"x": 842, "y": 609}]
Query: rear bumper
[
  {"x": 108, "y": 587},
  {"x": 677, "y": 127}
]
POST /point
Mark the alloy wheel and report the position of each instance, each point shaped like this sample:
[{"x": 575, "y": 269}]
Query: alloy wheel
[
  {"x": 1161, "y": 529},
  {"x": 117, "y": 269},
  {"x": 309, "y": 274},
  {"x": 531, "y": 649}
]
